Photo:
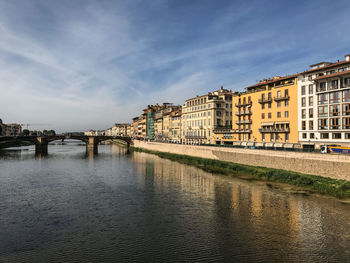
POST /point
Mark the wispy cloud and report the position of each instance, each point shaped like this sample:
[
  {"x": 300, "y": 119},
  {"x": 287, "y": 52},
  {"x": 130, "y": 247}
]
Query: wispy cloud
[{"x": 87, "y": 64}]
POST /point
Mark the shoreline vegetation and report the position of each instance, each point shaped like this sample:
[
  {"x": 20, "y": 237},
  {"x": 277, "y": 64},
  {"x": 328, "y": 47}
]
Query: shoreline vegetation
[
  {"x": 9, "y": 144},
  {"x": 317, "y": 184}
]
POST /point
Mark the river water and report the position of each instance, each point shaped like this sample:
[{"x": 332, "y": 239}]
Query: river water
[{"x": 136, "y": 207}]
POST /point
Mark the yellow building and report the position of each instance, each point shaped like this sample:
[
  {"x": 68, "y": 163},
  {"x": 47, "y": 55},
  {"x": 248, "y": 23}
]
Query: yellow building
[{"x": 265, "y": 112}]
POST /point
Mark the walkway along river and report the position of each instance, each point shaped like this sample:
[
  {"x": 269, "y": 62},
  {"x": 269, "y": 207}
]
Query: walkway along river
[{"x": 136, "y": 207}]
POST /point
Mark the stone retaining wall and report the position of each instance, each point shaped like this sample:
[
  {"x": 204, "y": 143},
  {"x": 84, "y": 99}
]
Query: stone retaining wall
[{"x": 327, "y": 165}]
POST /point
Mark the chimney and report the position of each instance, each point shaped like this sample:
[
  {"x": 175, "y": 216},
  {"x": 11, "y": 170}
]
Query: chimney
[{"x": 347, "y": 57}]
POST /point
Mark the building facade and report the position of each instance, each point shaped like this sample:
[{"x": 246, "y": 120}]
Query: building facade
[
  {"x": 12, "y": 129},
  {"x": 175, "y": 129},
  {"x": 202, "y": 114},
  {"x": 324, "y": 104},
  {"x": 265, "y": 113}
]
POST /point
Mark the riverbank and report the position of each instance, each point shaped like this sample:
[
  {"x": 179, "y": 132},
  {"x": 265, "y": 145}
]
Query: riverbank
[
  {"x": 314, "y": 183},
  {"x": 8, "y": 144}
]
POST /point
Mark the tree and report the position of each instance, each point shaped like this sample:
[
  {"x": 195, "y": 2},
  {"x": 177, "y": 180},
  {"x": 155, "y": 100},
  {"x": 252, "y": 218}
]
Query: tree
[{"x": 25, "y": 132}]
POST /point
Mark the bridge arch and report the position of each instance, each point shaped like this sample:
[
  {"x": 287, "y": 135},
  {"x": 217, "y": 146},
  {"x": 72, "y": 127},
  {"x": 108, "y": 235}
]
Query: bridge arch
[{"x": 41, "y": 142}]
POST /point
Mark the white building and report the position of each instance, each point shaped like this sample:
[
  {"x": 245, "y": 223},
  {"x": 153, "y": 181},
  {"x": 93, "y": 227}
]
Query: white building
[{"x": 324, "y": 104}]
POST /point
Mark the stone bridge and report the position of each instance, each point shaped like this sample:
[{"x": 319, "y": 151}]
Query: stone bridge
[{"x": 41, "y": 142}]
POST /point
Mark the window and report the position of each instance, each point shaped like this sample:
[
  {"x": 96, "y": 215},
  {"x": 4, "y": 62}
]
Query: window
[
  {"x": 346, "y": 109},
  {"x": 218, "y": 113},
  {"x": 324, "y": 135},
  {"x": 279, "y": 114},
  {"x": 269, "y": 115},
  {"x": 346, "y": 123},
  {"x": 336, "y": 135},
  {"x": 346, "y": 95},
  {"x": 269, "y": 95},
  {"x": 311, "y": 89},
  {"x": 262, "y": 106},
  {"x": 286, "y": 114},
  {"x": 311, "y": 125},
  {"x": 286, "y": 103},
  {"x": 311, "y": 113},
  {"x": 302, "y": 90},
  {"x": 279, "y": 94},
  {"x": 347, "y": 82},
  {"x": 269, "y": 105},
  {"x": 309, "y": 77},
  {"x": 323, "y": 124},
  {"x": 263, "y": 115},
  {"x": 287, "y": 137},
  {"x": 303, "y": 114},
  {"x": 322, "y": 111},
  {"x": 278, "y": 104},
  {"x": 323, "y": 86},
  {"x": 304, "y": 135},
  {"x": 347, "y": 136},
  {"x": 334, "y": 97},
  {"x": 303, "y": 125},
  {"x": 286, "y": 92},
  {"x": 334, "y": 84},
  {"x": 334, "y": 110},
  {"x": 312, "y": 136},
  {"x": 322, "y": 99},
  {"x": 311, "y": 101},
  {"x": 303, "y": 102},
  {"x": 335, "y": 123}
]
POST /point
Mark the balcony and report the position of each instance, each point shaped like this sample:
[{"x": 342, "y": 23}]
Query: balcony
[
  {"x": 263, "y": 101},
  {"x": 243, "y": 131},
  {"x": 243, "y": 121},
  {"x": 281, "y": 98},
  {"x": 246, "y": 112},
  {"x": 195, "y": 137},
  {"x": 244, "y": 104},
  {"x": 274, "y": 130},
  {"x": 221, "y": 129}
]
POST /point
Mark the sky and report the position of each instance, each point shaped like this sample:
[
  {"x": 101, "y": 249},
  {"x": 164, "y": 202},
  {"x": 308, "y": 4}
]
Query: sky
[{"x": 79, "y": 65}]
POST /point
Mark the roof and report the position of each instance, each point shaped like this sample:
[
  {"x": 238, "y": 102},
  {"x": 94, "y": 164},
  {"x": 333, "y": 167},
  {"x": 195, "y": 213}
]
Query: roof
[
  {"x": 324, "y": 62},
  {"x": 333, "y": 75},
  {"x": 326, "y": 67},
  {"x": 272, "y": 81}
]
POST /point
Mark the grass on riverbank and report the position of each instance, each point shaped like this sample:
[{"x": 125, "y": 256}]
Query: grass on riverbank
[{"x": 322, "y": 185}]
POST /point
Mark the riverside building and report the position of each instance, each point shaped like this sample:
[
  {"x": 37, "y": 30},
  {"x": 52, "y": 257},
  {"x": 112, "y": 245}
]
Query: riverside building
[
  {"x": 265, "y": 114},
  {"x": 202, "y": 114},
  {"x": 324, "y": 104}
]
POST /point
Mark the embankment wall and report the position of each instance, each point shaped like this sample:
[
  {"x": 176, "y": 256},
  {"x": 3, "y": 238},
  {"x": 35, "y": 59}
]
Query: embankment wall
[{"x": 333, "y": 166}]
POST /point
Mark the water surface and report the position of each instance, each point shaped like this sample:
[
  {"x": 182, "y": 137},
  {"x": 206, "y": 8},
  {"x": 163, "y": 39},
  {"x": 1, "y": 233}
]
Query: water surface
[{"x": 136, "y": 207}]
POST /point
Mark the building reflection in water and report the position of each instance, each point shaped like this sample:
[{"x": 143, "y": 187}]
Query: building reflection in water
[{"x": 267, "y": 221}]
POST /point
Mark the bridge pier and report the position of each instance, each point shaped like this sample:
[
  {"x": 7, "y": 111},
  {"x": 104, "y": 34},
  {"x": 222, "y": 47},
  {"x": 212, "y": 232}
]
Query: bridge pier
[
  {"x": 41, "y": 146},
  {"x": 92, "y": 145}
]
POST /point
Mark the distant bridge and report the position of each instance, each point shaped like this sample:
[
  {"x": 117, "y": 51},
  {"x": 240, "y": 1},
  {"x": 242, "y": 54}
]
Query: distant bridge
[{"x": 41, "y": 142}]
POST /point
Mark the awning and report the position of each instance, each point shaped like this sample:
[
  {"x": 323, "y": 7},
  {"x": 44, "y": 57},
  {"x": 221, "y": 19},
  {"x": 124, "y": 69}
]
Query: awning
[{"x": 267, "y": 123}]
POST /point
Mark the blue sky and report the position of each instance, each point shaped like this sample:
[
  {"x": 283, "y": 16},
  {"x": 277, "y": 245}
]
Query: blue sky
[{"x": 76, "y": 65}]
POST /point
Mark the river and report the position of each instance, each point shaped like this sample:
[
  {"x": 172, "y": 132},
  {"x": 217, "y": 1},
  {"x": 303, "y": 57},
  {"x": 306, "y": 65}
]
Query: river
[{"x": 137, "y": 207}]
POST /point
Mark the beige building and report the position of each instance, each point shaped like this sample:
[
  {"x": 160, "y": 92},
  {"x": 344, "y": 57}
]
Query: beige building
[
  {"x": 175, "y": 127},
  {"x": 202, "y": 114},
  {"x": 12, "y": 129}
]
